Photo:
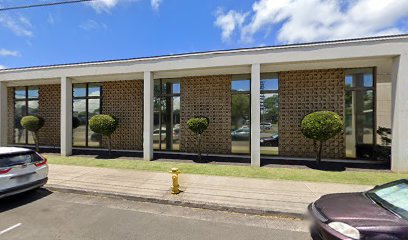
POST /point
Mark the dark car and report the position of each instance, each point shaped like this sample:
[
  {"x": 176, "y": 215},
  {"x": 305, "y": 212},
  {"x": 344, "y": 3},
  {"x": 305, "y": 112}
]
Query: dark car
[
  {"x": 380, "y": 213},
  {"x": 272, "y": 141}
]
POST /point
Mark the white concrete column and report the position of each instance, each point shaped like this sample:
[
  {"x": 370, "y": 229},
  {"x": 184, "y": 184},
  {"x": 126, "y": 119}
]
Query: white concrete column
[
  {"x": 399, "y": 155},
  {"x": 3, "y": 114},
  {"x": 255, "y": 115},
  {"x": 148, "y": 116},
  {"x": 66, "y": 116}
]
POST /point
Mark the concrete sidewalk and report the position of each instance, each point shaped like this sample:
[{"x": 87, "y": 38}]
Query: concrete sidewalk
[{"x": 247, "y": 195}]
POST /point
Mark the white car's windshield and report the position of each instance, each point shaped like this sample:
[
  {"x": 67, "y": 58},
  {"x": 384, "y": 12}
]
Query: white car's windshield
[{"x": 393, "y": 197}]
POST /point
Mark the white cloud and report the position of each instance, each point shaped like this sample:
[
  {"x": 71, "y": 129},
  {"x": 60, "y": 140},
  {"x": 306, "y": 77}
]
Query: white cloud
[
  {"x": 315, "y": 20},
  {"x": 9, "y": 53},
  {"x": 229, "y": 22},
  {"x": 103, "y": 5},
  {"x": 106, "y": 5},
  {"x": 91, "y": 25},
  {"x": 18, "y": 24},
  {"x": 155, "y": 4},
  {"x": 2, "y": 67}
]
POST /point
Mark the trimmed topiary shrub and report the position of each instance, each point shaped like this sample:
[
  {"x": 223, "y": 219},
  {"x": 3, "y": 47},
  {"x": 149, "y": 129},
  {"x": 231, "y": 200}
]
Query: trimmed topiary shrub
[
  {"x": 198, "y": 125},
  {"x": 33, "y": 124},
  {"x": 105, "y": 125},
  {"x": 320, "y": 127}
]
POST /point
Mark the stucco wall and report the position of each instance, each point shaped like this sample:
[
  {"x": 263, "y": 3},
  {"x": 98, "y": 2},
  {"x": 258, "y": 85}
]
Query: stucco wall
[
  {"x": 303, "y": 92},
  {"x": 124, "y": 100},
  {"x": 383, "y": 98},
  {"x": 208, "y": 96}
]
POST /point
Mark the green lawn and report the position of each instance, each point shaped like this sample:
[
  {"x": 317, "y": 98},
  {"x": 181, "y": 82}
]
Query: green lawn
[{"x": 351, "y": 177}]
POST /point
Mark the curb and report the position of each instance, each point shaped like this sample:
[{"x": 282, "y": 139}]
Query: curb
[{"x": 190, "y": 204}]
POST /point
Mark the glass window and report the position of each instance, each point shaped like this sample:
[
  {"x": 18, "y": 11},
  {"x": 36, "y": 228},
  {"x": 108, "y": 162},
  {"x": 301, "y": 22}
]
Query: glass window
[
  {"x": 94, "y": 106},
  {"x": 94, "y": 90},
  {"x": 359, "y": 114},
  {"x": 166, "y": 123},
  {"x": 241, "y": 83},
  {"x": 79, "y": 90},
  {"x": 33, "y": 93},
  {"x": 240, "y": 114},
  {"x": 269, "y": 99},
  {"x": 25, "y": 103},
  {"x": 20, "y": 93},
  {"x": 86, "y": 104}
]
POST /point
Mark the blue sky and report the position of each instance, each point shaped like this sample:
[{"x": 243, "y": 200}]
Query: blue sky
[{"x": 115, "y": 29}]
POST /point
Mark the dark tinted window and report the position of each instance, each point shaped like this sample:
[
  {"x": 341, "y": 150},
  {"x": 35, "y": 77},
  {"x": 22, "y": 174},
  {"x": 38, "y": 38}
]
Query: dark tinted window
[{"x": 18, "y": 159}]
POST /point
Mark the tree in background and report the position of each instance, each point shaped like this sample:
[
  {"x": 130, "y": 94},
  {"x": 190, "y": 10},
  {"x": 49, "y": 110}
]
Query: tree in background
[
  {"x": 198, "y": 125},
  {"x": 33, "y": 124},
  {"x": 105, "y": 125},
  {"x": 75, "y": 122},
  {"x": 240, "y": 109},
  {"x": 320, "y": 127}
]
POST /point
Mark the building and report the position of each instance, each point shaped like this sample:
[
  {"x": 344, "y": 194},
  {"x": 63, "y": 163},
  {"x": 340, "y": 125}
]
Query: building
[{"x": 255, "y": 99}]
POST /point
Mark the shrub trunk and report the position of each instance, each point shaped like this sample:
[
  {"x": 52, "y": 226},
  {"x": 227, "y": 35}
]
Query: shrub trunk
[
  {"x": 199, "y": 147},
  {"x": 36, "y": 142},
  {"x": 318, "y": 146}
]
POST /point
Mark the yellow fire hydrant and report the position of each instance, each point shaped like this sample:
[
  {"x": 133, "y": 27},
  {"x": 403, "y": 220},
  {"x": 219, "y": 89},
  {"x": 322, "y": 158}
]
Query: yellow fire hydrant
[{"x": 175, "y": 188}]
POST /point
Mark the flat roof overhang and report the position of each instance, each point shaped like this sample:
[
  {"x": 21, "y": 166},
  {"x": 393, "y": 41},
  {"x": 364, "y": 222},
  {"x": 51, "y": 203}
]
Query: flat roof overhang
[{"x": 218, "y": 62}]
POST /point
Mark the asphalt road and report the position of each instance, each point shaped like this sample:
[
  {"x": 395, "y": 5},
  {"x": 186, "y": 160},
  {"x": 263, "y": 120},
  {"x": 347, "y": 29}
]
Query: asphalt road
[{"x": 55, "y": 215}]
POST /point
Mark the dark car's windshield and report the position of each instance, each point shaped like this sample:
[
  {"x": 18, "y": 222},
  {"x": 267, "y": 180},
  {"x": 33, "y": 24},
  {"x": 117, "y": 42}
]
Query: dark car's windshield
[
  {"x": 392, "y": 196},
  {"x": 10, "y": 160}
]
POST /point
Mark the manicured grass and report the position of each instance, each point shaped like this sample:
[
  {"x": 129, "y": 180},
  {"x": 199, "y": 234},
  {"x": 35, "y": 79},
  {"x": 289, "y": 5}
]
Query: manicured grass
[{"x": 350, "y": 177}]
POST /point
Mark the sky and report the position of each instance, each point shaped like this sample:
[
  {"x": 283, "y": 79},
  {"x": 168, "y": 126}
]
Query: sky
[{"x": 119, "y": 29}]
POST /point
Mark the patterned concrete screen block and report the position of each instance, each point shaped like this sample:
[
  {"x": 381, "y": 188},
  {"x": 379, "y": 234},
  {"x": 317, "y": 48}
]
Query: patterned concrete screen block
[
  {"x": 10, "y": 115},
  {"x": 124, "y": 100},
  {"x": 50, "y": 110},
  {"x": 208, "y": 96},
  {"x": 303, "y": 92}
]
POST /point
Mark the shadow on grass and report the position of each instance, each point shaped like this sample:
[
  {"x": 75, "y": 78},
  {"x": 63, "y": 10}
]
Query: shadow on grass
[
  {"x": 22, "y": 199},
  {"x": 325, "y": 166}
]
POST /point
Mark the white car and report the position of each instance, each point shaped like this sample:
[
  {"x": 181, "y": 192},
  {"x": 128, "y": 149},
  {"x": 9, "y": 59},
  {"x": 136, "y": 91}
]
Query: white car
[{"x": 21, "y": 170}]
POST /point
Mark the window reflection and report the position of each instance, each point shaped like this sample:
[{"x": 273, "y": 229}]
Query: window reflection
[
  {"x": 166, "y": 123},
  {"x": 269, "y": 100},
  {"x": 359, "y": 114},
  {"x": 86, "y": 104},
  {"x": 240, "y": 114},
  {"x": 25, "y": 103}
]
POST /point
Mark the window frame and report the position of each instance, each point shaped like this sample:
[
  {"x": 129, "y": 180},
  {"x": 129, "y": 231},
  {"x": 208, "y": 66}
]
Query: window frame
[
  {"x": 265, "y": 77},
  {"x": 87, "y": 98},
  {"x": 242, "y": 77},
  {"x": 26, "y": 100},
  {"x": 162, "y": 96},
  {"x": 373, "y": 88}
]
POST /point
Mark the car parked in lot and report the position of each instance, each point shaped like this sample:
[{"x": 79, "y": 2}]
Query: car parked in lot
[
  {"x": 21, "y": 170},
  {"x": 380, "y": 213},
  {"x": 265, "y": 126},
  {"x": 272, "y": 141},
  {"x": 241, "y": 134}
]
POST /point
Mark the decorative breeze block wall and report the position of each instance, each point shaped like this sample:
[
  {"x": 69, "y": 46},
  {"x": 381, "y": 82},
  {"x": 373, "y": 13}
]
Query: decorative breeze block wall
[
  {"x": 124, "y": 100},
  {"x": 207, "y": 96},
  {"x": 50, "y": 109},
  {"x": 303, "y": 92}
]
